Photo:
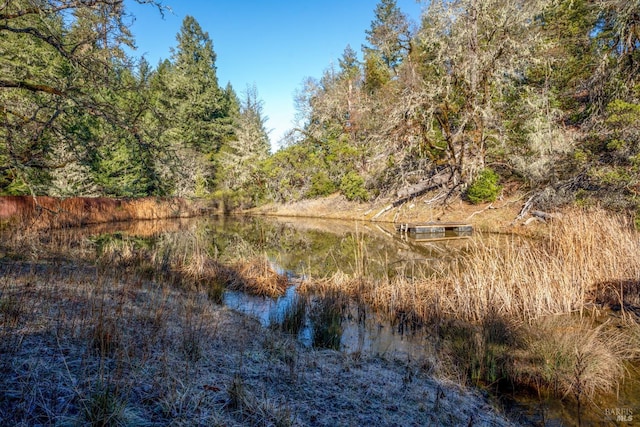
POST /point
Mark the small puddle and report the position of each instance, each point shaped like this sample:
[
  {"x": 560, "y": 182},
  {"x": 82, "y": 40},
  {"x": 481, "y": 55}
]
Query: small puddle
[{"x": 361, "y": 330}]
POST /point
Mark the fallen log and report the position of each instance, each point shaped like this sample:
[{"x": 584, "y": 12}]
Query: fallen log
[
  {"x": 532, "y": 220},
  {"x": 526, "y": 208},
  {"x": 424, "y": 186},
  {"x": 415, "y": 190},
  {"x": 385, "y": 209}
]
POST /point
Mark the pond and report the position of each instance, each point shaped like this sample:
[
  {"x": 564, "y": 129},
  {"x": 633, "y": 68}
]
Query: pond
[{"x": 311, "y": 249}]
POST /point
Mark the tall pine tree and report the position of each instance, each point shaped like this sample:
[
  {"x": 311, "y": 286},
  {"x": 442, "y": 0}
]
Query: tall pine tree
[
  {"x": 198, "y": 113},
  {"x": 240, "y": 159}
]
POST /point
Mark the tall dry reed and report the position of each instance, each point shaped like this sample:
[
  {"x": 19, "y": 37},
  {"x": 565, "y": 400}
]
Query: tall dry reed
[
  {"x": 491, "y": 308},
  {"x": 49, "y": 212},
  {"x": 561, "y": 271}
]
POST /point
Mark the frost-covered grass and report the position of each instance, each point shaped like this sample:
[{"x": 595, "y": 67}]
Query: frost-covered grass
[{"x": 86, "y": 345}]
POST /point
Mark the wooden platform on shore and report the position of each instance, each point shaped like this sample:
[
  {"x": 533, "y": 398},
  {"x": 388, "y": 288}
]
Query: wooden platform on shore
[{"x": 435, "y": 227}]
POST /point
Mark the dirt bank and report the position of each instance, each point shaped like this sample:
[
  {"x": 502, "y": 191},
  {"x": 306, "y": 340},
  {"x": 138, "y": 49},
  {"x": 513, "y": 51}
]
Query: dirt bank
[{"x": 497, "y": 216}]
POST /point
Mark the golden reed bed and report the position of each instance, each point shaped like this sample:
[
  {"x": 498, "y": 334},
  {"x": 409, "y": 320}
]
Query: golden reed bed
[{"x": 49, "y": 212}]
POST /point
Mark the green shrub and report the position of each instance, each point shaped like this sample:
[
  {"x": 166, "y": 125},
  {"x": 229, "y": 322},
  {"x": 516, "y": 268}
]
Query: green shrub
[
  {"x": 485, "y": 187},
  {"x": 352, "y": 187},
  {"x": 614, "y": 176},
  {"x": 321, "y": 185}
]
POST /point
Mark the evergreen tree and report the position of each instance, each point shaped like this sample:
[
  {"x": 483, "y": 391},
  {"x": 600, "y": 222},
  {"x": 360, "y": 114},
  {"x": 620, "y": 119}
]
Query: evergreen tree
[
  {"x": 57, "y": 82},
  {"x": 376, "y": 73},
  {"x": 126, "y": 161},
  {"x": 240, "y": 159},
  {"x": 608, "y": 155},
  {"x": 195, "y": 93},
  {"x": 197, "y": 111},
  {"x": 389, "y": 34},
  {"x": 349, "y": 64},
  {"x": 567, "y": 67},
  {"x": 350, "y": 78}
]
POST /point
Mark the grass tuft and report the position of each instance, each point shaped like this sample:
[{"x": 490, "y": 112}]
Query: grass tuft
[
  {"x": 292, "y": 319},
  {"x": 104, "y": 407},
  {"x": 10, "y": 310},
  {"x": 326, "y": 317},
  {"x": 572, "y": 357},
  {"x": 257, "y": 277}
]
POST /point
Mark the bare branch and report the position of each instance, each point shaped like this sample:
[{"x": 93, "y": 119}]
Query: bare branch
[{"x": 33, "y": 87}]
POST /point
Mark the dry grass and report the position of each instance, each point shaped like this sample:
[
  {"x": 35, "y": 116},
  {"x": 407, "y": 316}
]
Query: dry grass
[
  {"x": 257, "y": 277},
  {"x": 48, "y": 212},
  {"x": 184, "y": 259},
  {"x": 102, "y": 344},
  {"x": 565, "y": 270},
  {"x": 494, "y": 216},
  {"x": 490, "y": 311},
  {"x": 573, "y": 357}
]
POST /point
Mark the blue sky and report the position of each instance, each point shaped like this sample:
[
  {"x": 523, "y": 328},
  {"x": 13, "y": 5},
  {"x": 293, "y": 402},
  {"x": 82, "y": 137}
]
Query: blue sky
[{"x": 274, "y": 44}]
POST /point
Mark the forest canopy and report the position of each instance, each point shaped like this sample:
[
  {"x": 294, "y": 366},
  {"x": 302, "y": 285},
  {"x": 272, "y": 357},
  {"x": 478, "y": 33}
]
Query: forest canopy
[{"x": 542, "y": 93}]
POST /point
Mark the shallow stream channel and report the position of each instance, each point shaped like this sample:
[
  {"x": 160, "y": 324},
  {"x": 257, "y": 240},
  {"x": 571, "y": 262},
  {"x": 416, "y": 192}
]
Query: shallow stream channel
[{"x": 489, "y": 356}]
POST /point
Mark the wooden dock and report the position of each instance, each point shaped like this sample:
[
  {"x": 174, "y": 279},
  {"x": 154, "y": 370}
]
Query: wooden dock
[{"x": 431, "y": 230}]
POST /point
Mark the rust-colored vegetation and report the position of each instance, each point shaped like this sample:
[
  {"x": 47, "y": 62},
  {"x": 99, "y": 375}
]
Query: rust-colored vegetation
[{"x": 50, "y": 212}]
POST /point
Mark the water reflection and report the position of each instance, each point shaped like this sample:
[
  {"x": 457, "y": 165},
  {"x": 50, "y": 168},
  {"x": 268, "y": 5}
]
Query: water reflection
[
  {"x": 361, "y": 330},
  {"x": 317, "y": 248},
  {"x": 301, "y": 247},
  {"x": 304, "y": 249}
]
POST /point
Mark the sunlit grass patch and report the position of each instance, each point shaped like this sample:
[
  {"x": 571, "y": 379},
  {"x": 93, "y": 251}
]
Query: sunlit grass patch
[
  {"x": 560, "y": 271},
  {"x": 257, "y": 277}
]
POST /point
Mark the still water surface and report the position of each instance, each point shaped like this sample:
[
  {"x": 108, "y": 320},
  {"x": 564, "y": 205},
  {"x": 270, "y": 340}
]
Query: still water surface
[{"x": 304, "y": 249}]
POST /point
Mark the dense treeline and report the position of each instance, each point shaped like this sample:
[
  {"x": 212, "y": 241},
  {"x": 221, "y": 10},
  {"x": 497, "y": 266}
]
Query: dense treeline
[
  {"x": 542, "y": 92},
  {"x": 80, "y": 117}
]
